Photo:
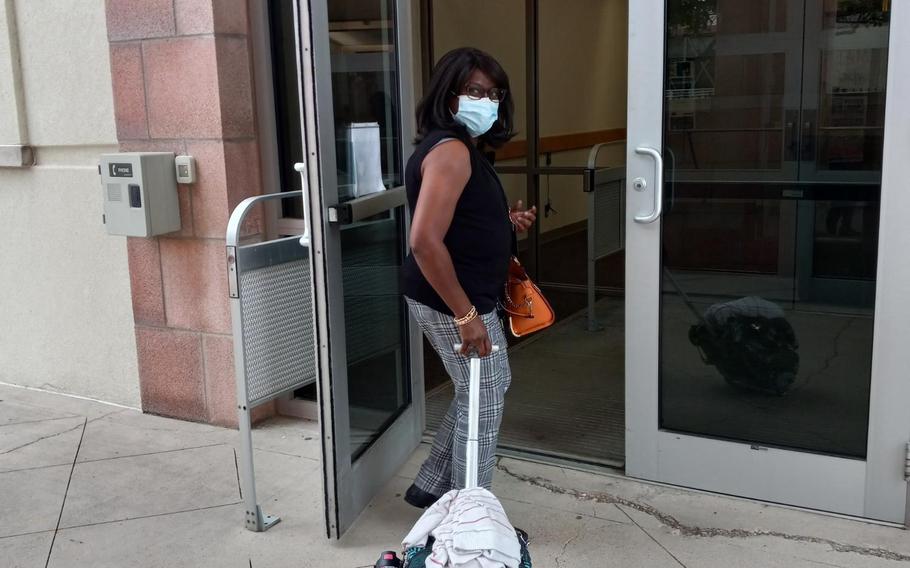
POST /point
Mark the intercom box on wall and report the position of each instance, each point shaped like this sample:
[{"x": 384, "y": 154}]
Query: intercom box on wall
[{"x": 140, "y": 193}]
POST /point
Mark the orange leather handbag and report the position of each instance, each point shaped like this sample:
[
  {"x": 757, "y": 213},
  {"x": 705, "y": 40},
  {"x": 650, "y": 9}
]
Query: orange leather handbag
[{"x": 528, "y": 310}]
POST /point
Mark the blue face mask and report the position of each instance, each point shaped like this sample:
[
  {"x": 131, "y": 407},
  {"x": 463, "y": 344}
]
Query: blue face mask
[{"x": 478, "y": 116}]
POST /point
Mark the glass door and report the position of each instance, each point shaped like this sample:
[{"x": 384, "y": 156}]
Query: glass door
[
  {"x": 356, "y": 100},
  {"x": 749, "y": 329},
  {"x": 840, "y": 150}
]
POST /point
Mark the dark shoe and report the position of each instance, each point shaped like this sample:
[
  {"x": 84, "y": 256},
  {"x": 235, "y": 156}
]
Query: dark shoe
[{"x": 419, "y": 498}]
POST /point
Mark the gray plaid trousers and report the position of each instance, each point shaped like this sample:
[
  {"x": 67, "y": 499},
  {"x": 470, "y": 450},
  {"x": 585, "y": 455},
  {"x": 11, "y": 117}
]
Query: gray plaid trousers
[{"x": 445, "y": 468}]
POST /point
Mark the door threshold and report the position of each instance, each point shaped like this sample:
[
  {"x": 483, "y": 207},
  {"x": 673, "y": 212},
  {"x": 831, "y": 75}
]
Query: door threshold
[
  {"x": 611, "y": 468},
  {"x": 568, "y": 461},
  {"x": 586, "y": 464},
  {"x": 618, "y": 471},
  {"x": 298, "y": 408}
]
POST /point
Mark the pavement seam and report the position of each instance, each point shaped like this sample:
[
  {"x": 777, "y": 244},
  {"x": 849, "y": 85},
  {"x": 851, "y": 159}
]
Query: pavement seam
[
  {"x": 141, "y": 517},
  {"x": 64, "y": 394},
  {"x": 649, "y": 535},
  {"x": 26, "y": 534},
  {"x": 34, "y": 467},
  {"x": 685, "y": 530},
  {"x": 69, "y": 480},
  {"x": 39, "y": 420},
  {"x": 154, "y": 453}
]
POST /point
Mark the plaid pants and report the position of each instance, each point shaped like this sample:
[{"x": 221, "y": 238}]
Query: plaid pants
[{"x": 444, "y": 470}]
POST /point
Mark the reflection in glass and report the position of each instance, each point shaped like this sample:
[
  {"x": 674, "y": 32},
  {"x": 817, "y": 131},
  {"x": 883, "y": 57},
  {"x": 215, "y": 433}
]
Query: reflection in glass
[
  {"x": 852, "y": 63},
  {"x": 368, "y": 157},
  {"x": 364, "y": 93},
  {"x": 375, "y": 326},
  {"x": 774, "y": 118},
  {"x": 287, "y": 109},
  {"x": 727, "y": 83}
]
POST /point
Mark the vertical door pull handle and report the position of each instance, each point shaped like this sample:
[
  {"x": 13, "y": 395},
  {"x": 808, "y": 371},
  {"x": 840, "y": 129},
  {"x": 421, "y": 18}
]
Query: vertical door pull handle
[
  {"x": 305, "y": 185},
  {"x": 655, "y": 213}
]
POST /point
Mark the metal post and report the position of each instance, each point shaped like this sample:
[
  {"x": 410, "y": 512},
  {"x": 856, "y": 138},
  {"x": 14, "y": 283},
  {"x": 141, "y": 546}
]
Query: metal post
[
  {"x": 254, "y": 520},
  {"x": 593, "y": 325},
  {"x": 591, "y": 189},
  {"x": 532, "y": 130}
]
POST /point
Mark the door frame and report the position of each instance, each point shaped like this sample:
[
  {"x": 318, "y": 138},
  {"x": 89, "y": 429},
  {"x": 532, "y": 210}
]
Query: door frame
[
  {"x": 873, "y": 488},
  {"x": 348, "y": 485}
]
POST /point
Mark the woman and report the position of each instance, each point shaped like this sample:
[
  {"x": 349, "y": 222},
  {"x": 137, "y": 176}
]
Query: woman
[{"x": 462, "y": 236}]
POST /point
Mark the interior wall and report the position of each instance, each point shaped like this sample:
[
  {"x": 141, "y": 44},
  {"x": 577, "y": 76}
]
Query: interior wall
[
  {"x": 583, "y": 53},
  {"x": 582, "y": 80},
  {"x": 495, "y": 27}
]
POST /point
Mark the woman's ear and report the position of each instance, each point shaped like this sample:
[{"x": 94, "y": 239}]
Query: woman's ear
[{"x": 453, "y": 104}]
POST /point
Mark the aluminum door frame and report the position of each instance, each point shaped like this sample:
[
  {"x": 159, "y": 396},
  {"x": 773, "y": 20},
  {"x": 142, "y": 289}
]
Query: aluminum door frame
[
  {"x": 348, "y": 486},
  {"x": 874, "y": 488}
]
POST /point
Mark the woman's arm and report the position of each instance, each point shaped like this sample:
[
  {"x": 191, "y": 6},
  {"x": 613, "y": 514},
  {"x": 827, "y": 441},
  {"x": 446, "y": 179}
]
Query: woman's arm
[{"x": 445, "y": 172}]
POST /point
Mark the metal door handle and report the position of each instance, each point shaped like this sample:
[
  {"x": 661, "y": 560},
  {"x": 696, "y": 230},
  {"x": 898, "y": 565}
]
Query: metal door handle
[
  {"x": 305, "y": 185},
  {"x": 367, "y": 206},
  {"x": 658, "y": 185}
]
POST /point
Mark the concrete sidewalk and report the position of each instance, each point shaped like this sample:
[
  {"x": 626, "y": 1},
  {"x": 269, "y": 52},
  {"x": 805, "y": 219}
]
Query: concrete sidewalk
[{"x": 84, "y": 484}]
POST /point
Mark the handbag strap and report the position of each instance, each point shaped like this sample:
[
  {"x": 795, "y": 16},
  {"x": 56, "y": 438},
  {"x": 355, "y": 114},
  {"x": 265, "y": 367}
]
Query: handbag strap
[{"x": 518, "y": 315}]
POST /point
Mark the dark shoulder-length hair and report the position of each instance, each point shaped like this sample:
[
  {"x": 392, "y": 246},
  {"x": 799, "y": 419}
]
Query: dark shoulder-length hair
[{"x": 449, "y": 77}]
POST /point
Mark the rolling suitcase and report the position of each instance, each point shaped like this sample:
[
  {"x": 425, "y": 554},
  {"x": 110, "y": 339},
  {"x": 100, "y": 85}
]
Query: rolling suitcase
[{"x": 416, "y": 557}]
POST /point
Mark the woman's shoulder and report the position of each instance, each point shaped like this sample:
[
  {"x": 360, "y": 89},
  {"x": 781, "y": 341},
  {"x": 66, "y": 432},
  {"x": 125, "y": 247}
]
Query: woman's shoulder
[
  {"x": 445, "y": 142},
  {"x": 438, "y": 135},
  {"x": 445, "y": 155}
]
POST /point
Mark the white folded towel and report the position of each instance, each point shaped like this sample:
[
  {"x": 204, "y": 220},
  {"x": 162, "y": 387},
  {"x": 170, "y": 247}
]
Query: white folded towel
[{"x": 471, "y": 531}]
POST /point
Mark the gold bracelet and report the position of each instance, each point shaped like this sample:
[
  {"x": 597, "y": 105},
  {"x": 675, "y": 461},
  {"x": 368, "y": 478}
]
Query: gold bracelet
[{"x": 467, "y": 318}]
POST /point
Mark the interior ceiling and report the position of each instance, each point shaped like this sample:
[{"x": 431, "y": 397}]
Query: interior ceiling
[{"x": 346, "y": 10}]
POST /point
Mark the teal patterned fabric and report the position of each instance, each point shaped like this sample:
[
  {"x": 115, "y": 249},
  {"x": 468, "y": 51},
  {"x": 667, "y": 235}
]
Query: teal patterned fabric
[{"x": 416, "y": 556}]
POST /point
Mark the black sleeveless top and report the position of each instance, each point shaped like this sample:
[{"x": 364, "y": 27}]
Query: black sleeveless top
[{"x": 480, "y": 238}]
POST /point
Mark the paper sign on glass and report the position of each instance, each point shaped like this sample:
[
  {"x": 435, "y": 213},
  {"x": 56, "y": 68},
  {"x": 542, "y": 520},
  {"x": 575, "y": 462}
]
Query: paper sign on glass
[{"x": 366, "y": 165}]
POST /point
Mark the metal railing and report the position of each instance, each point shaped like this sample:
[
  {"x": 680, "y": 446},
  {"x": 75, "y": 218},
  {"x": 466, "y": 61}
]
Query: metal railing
[
  {"x": 605, "y": 223},
  {"x": 606, "y": 220},
  {"x": 272, "y": 317}
]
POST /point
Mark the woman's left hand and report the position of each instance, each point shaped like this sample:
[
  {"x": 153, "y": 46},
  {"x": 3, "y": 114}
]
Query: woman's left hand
[{"x": 522, "y": 218}]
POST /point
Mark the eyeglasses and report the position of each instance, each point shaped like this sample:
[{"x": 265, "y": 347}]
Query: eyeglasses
[{"x": 476, "y": 92}]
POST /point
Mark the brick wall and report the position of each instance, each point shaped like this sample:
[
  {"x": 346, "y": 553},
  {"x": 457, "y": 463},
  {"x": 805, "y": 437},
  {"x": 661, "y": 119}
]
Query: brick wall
[{"x": 182, "y": 82}]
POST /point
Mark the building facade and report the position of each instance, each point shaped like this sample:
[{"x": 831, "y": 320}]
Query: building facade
[{"x": 697, "y": 167}]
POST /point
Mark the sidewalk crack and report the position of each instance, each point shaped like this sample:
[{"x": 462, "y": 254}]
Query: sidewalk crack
[
  {"x": 85, "y": 422},
  {"x": 279, "y": 452},
  {"x": 237, "y": 471},
  {"x": 686, "y": 530},
  {"x": 565, "y": 546},
  {"x": 7, "y": 424},
  {"x": 151, "y": 516},
  {"x": 42, "y": 438},
  {"x": 154, "y": 453}
]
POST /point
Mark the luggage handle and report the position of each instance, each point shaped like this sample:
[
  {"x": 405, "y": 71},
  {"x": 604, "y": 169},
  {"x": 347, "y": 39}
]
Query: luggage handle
[{"x": 471, "y": 451}]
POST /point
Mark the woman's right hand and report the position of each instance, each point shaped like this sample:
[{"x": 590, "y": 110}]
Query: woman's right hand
[{"x": 474, "y": 337}]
